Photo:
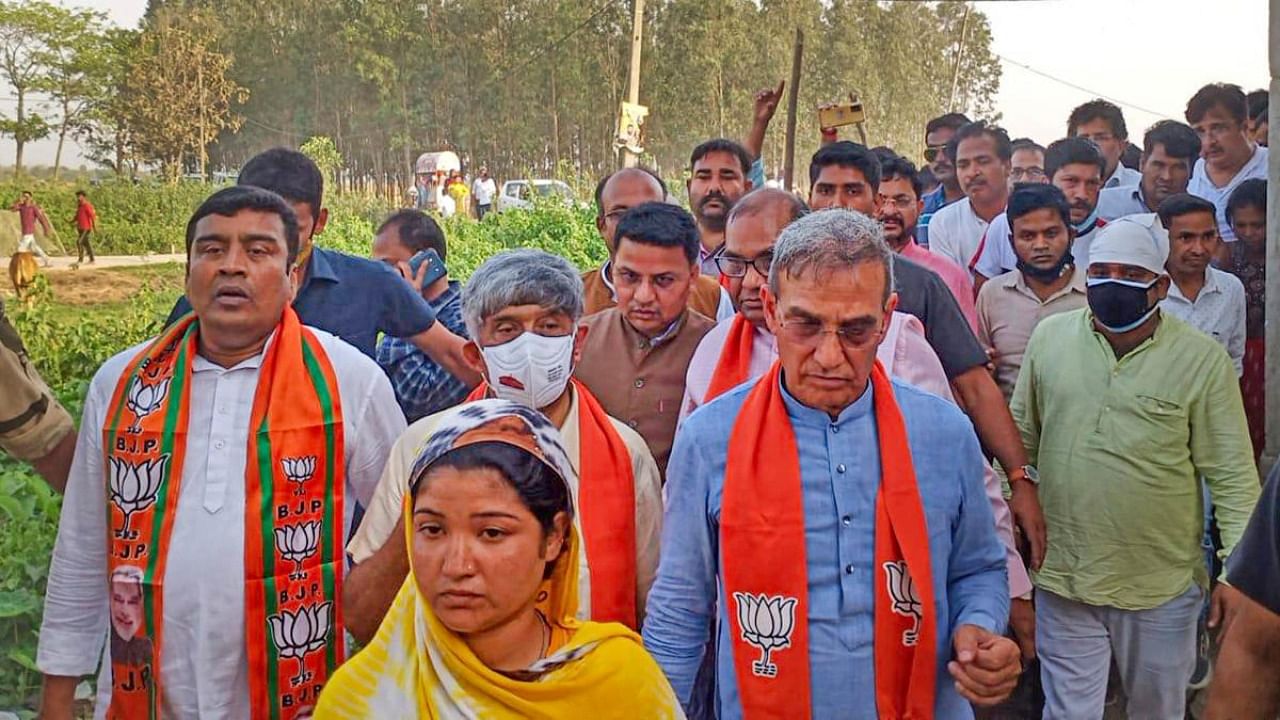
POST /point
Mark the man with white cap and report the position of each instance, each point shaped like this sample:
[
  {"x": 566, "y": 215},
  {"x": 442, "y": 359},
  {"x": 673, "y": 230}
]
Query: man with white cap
[{"x": 1123, "y": 408}]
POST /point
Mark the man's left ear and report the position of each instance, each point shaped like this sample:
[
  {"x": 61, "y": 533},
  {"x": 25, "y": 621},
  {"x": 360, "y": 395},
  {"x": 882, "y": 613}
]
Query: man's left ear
[
  {"x": 770, "y": 303},
  {"x": 295, "y": 281}
]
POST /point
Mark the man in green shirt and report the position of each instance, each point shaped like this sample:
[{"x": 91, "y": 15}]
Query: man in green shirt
[{"x": 1123, "y": 408}]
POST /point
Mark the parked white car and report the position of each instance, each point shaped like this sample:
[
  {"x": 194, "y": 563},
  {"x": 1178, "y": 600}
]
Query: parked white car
[{"x": 521, "y": 193}]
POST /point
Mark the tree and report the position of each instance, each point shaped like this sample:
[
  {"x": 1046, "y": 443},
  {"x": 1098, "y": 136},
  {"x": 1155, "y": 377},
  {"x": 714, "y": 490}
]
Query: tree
[
  {"x": 77, "y": 54},
  {"x": 25, "y": 29},
  {"x": 325, "y": 155},
  {"x": 104, "y": 133},
  {"x": 179, "y": 95}
]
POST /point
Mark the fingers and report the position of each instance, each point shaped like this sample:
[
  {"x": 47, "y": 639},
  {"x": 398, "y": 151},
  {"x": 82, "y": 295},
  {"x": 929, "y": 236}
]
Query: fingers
[
  {"x": 404, "y": 270},
  {"x": 978, "y": 691}
]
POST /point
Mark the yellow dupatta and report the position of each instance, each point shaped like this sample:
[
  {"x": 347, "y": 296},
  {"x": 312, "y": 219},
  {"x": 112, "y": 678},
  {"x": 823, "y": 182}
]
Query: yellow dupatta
[{"x": 415, "y": 667}]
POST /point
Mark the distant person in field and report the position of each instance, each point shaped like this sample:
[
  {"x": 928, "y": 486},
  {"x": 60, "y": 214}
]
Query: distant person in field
[
  {"x": 353, "y": 298},
  {"x": 1103, "y": 123},
  {"x": 1228, "y": 155},
  {"x": 29, "y": 213},
  {"x": 457, "y": 189},
  {"x": 483, "y": 189},
  {"x": 86, "y": 224}
]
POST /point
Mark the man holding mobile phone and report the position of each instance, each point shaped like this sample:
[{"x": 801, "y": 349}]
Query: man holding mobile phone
[{"x": 412, "y": 243}]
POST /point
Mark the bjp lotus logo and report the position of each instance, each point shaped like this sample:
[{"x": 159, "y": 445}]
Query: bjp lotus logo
[
  {"x": 297, "y": 543},
  {"x": 767, "y": 622},
  {"x": 144, "y": 399},
  {"x": 296, "y": 634},
  {"x": 299, "y": 470},
  {"x": 134, "y": 487},
  {"x": 902, "y": 590}
]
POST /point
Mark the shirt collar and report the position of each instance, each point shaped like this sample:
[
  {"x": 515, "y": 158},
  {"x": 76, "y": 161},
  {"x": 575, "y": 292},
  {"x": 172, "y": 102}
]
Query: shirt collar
[
  {"x": 607, "y": 280},
  {"x": 1211, "y": 285},
  {"x": 646, "y": 343},
  {"x": 318, "y": 268},
  {"x": 805, "y": 415},
  {"x": 451, "y": 292},
  {"x": 200, "y": 364}
]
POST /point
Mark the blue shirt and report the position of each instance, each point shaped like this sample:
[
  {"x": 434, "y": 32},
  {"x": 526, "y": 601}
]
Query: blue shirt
[
  {"x": 933, "y": 202},
  {"x": 352, "y": 298},
  {"x": 422, "y": 386},
  {"x": 840, "y": 474}
]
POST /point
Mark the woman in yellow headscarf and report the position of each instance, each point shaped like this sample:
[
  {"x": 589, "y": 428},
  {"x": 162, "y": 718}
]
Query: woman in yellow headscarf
[{"x": 484, "y": 625}]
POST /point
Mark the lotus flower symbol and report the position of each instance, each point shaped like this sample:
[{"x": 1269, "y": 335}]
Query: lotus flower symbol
[
  {"x": 134, "y": 486},
  {"x": 902, "y": 590},
  {"x": 299, "y": 470},
  {"x": 298, "y": 633},
  {"x": 144, "y": 399},
  {"x": 297, "y": 543},
  {"x": 767, "y": 622}
]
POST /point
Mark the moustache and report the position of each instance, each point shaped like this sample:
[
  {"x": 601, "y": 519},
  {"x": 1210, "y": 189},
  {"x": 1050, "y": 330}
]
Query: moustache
[{"x": 717, "y": 196}]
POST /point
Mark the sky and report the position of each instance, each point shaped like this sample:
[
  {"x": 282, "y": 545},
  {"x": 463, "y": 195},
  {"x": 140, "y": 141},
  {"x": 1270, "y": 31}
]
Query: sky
[{"x": 1148, "y": 56}]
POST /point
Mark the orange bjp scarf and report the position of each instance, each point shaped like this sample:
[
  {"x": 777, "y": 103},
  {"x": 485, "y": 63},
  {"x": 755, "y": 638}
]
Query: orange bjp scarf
[
  {"x": 762, "y": 541},
  {"x": 734, "y": 366},
  {"x": 606, "y": 510},
  {"x": 294, "y": 487}
]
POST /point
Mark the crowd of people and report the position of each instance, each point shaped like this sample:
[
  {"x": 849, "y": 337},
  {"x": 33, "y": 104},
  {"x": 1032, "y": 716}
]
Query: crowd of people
[{"x": 887, "y": 450}]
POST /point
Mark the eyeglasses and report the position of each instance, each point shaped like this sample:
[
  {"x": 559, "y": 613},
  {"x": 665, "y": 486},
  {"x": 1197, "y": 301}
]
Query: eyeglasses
[
  {"x": 736, "y": 267},
  {"x": 811, "y": 332},
  {"x": 900, "y": 202},
  {"x": 931, "y": 152},
  {"x": 1032, "y": 174}
]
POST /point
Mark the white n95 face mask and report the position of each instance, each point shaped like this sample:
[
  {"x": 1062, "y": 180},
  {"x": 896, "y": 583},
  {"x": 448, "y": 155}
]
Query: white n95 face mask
[{"x": 531, "y": 370}]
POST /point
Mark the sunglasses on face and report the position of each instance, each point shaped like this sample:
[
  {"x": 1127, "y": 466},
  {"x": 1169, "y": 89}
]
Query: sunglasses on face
[{"x": 932, "y": 152}]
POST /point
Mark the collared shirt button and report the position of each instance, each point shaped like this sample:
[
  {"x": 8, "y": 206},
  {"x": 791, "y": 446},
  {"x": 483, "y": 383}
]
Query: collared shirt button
[
  {"x": 846, "y": 521},
  {"x": 848, "y": 569},
  {"x": 835, "y": 428},
  {"x": 220, "y": 444},
  {"x": 840, "y": 468},
  {"x": 639, "y": 383},
  {"x": 632, "y": 424}
]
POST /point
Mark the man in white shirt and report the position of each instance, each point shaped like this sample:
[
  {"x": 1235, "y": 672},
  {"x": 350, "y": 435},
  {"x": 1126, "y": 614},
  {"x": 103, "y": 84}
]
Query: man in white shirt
[
  {"x": 982, "y": 157},
  {"x": 522, "y": 309},
  {"x": 483, "y": 188},
  {"x": 233, "y": 396},
  {"x": 1206, "y": 298},
  {"x": 1169, "y": 151},
  {"x": 1103, "y": 123},
  {"x": 1075, "y": 167},
  {"x": 1228, "y": 157}
]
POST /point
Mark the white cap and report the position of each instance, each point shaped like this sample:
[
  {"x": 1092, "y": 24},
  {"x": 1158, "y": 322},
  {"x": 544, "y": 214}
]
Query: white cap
[{"x": 1138, "y": 240}]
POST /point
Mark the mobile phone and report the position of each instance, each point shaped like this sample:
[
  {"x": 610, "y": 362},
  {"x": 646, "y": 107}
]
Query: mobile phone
[
  {"x": 839, "y": 115},
  {"x": 435, "y": 266}
]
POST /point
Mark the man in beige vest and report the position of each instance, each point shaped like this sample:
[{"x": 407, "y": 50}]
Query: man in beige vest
[
  {"x": 636, "y": 354},
  {"x": 615, "y": 195}
]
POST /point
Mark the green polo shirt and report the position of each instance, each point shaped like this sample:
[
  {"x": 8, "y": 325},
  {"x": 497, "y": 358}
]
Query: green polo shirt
[{"x": 1119, "y": 445}]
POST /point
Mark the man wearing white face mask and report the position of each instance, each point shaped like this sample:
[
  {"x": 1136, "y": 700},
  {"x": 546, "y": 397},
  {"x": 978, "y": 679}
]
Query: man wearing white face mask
[{"x": 522, "y": 309}]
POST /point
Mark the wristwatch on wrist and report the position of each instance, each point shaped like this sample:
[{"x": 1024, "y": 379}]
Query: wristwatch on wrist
[{"x": 1026, "y": 472}]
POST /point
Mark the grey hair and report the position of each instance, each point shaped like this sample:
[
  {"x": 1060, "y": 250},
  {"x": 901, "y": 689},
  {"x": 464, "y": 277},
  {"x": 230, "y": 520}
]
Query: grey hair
[
  {"x": 521, "y": 277},
  {"x": 830, "y": 241}
]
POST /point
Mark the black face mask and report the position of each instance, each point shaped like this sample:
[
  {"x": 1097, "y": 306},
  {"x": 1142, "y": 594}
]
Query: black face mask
[
  {"x": 1047, "y": 274},
  {"x": 1120, "y": 305}
]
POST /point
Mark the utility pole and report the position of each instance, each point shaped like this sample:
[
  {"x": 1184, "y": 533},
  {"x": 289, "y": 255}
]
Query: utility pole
[
  {"x": 630, "y": 159},
  {"x": 1272, "y": 383},
  {"x": 955, "y": 73},
  {"x": 789, "y": 151}
]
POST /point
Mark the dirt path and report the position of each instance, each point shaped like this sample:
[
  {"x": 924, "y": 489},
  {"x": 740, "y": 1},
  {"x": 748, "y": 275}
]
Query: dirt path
[
  {"x": 109, "y": 261},
  {"x": 111, "y": 279}
]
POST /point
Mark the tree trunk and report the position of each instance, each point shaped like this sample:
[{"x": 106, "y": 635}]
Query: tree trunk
[
  {"x": 18, "y": 137},
  {"x": 62, "y": 139}
]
